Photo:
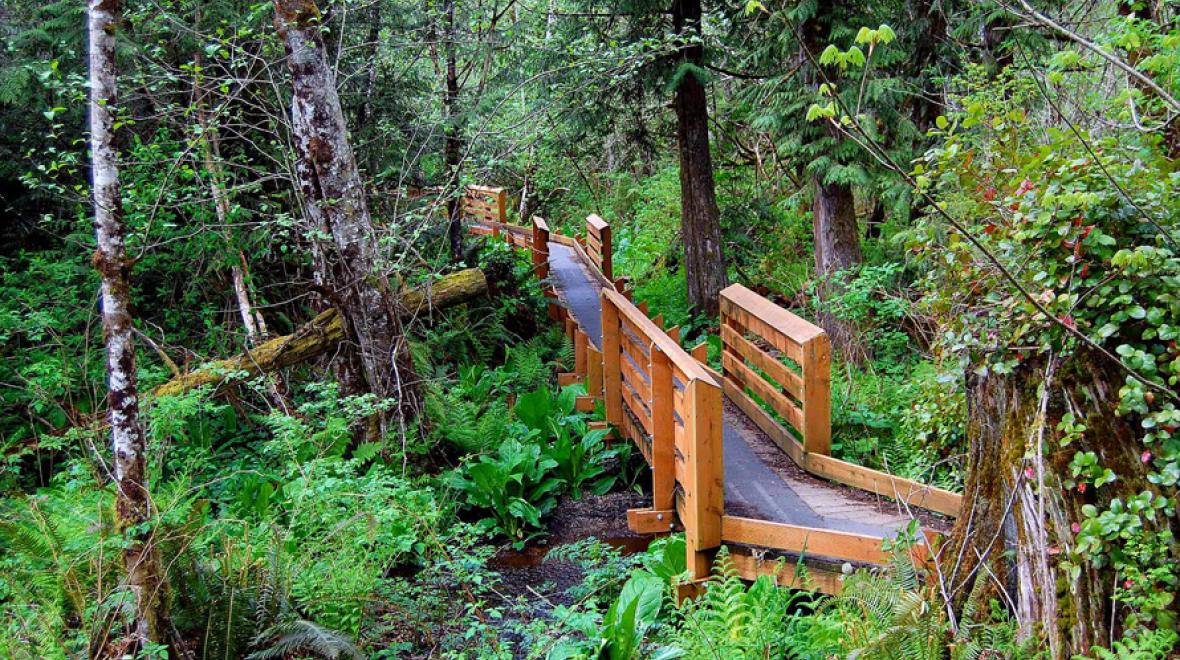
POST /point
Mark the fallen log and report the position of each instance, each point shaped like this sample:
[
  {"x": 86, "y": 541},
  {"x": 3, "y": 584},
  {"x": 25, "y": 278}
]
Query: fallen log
[{"x": 322, "y": 333}]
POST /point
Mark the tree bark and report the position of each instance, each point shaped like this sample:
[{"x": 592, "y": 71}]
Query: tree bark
[
  {"x": 837, "y": 241},
  {"x": 334, "y": 199},
  {"x": 1014, "y": 531},
  {"x": 323, "y": 333},
  {"x": 700, "y": 223},
  {"x": 452, "y": 145},
  {"x": 133, "y": 507}
]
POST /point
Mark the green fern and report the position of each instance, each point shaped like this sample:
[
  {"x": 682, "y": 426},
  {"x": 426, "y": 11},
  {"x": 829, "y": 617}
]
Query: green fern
[
  {"x": 730, "y": 620},
  {"x": 300, "y": 638}
]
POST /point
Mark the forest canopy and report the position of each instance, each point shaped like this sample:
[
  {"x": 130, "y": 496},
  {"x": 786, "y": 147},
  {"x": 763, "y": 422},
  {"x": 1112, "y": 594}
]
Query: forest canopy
[{"x": 293, "y": 362}]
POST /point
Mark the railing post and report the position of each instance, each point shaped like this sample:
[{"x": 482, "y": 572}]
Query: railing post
[
  {"x": 501, "y": 205},
  {"x": 817, "y": 396},
  {"x": 605, "y": 239},
  {"x": 580, "y": 344},
  {"x": 612, "y": 385},
  {"x": 705, "y": 490},
  {"x": 540, "y": 248},
  {"x": 594, "y": 371},
  {"x": 663, "y": 441}
]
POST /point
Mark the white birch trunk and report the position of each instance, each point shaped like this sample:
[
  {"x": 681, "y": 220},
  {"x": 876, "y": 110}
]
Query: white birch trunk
[{"x": 132, "y": 504}]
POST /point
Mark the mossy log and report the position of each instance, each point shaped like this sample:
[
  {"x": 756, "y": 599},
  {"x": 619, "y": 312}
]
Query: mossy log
[{"x": 322, "y": 333}]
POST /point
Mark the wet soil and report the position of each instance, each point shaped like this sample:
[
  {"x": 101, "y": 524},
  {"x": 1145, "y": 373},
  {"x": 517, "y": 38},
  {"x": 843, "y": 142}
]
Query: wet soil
[{"x": 531, "y": 573}]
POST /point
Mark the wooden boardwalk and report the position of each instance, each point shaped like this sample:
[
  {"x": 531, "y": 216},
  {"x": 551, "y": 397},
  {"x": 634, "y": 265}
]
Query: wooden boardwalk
[
  {"x": 741, "y": 457},
  {"x": 752, "y": 488}
]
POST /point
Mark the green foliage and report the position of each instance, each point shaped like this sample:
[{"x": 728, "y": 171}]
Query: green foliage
[
  {"x": 731, "y": 620},
  {"x": 513, "y": 484}
]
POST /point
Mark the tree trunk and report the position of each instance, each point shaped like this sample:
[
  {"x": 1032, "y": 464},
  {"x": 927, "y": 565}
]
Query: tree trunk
[
  {"x": 334, "y": 198},
  {"x": 452, "y": 147},
  {"x": 837, "y": 248},
  {"x": 700, "y": 219},
  {"x": 141, "y": 559},
  {"x": 324, "y": 333},
  {"x": 837, "y": 241},
  {"x": 1014, "y": 532}
]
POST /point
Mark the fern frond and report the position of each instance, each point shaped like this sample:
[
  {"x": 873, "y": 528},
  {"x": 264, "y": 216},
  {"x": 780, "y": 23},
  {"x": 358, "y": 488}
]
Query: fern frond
[{"x": 301, "y": 637}]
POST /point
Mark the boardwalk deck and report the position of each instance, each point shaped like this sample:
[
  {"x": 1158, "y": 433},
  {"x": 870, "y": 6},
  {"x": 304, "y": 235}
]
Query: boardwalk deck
[{"x": 754, "y": 487}]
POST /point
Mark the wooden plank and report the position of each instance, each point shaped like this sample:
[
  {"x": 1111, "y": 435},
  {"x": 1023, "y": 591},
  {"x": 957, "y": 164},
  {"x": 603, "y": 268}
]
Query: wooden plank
[
  {"x": 674, "y": 333},
  {"x": 580, "y": 343},
  {"x": 817, "y": 396},
  {"x": 700, "y": 352},
  {"x": 595, "y": 222},
  {"x": 638, "y": 408},
  {"x": 747, "y": 322},
  {"x": 652, "y": 521},
  {"x": 780, "y": 320},
  {"x": 737, "y": 371},
  {"x": 567, "y": 379},
  {"x": 704, "y": 484},
  {"x": 905, "y": 490},
  {"x": 593, "y": 371},
  {"x": 658, "y": 319},
  {"x": 778, "y": 372},
  {"x": 804, "y": 540},
  {"x": 764, "y": 421},
  {"x": 611, "y": 371},
  {"x": 585, "y": 403},
  {"x": 663, "y": 438},
  {"x": 690, "y": 368},
  {"x": 636, "y": 379},
  {"x": 785, "y": 574}
]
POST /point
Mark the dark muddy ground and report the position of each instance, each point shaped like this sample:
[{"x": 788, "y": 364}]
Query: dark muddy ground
[{"x": 529, "y": 572}]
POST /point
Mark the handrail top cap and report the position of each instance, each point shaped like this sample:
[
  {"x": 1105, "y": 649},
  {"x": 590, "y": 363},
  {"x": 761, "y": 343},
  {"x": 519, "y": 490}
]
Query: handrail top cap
[
  {"x": 598, "y": 223},
  {"x": 686, "y": 363},
  {"x": 794, "y": 327}
]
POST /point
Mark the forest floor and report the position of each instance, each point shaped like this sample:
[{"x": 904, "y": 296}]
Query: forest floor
[{"x": 531, "y": 573}]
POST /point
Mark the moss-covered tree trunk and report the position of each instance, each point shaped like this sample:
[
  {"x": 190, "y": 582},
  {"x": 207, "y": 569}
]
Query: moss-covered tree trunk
[
  {"x": 334, "y": 199},
  {"x": 1015, "y": 536},
  {"x": 133, "y": 506}
]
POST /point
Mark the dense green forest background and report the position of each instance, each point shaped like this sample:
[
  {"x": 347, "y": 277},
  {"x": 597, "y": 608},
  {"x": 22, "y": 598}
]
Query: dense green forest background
[{"x": 975, "y": 199}]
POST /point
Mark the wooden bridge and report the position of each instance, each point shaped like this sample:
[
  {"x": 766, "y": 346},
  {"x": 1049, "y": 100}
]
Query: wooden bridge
[{"x": 718, "y": 442}]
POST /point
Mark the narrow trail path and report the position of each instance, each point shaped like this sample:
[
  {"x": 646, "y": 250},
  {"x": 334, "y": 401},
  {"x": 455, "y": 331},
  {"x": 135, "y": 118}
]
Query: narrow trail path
[{"x": 760, "y": 480}]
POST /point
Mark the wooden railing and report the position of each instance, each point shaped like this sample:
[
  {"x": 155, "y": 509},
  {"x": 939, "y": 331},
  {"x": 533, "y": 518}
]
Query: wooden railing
[
  {"x": 486, "y": 204},
  {"x": 598, "y": 245},
  {"x": 785, "y": 362},
  {"x": 668, "y": 402}
]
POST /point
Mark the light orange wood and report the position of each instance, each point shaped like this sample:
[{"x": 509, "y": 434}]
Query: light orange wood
[
  {"x": 786, "y": 574},
  {"x": 642, "y": 307},
  {"x": 777, "y": 371},
  {"x": 689, "y": 368},
  {"x": 674, "y": 333},
  {"x": 700, "y": 352},
  {"x": 904, "y": 490},
  {"x": 817, "y": 396},
  {"x": 764, "y": 421},
  {"x": 739, "y": 373},
  {"x": 652, "y": 521},
  {"x": 581, "y": 341},
  {"x": 593, "y": 371},
  {"x": 704, "y": 486},
  {"x": 598, "y": 239},
  {"x": 804, "y": 540},
  {"x": 585, "y": 403},
  {"x": 633, "y": 377},
  {"x": 611, "y": 372},
  {"x": 567, "y": 379},
  {"x": 663, "y": 438}
]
